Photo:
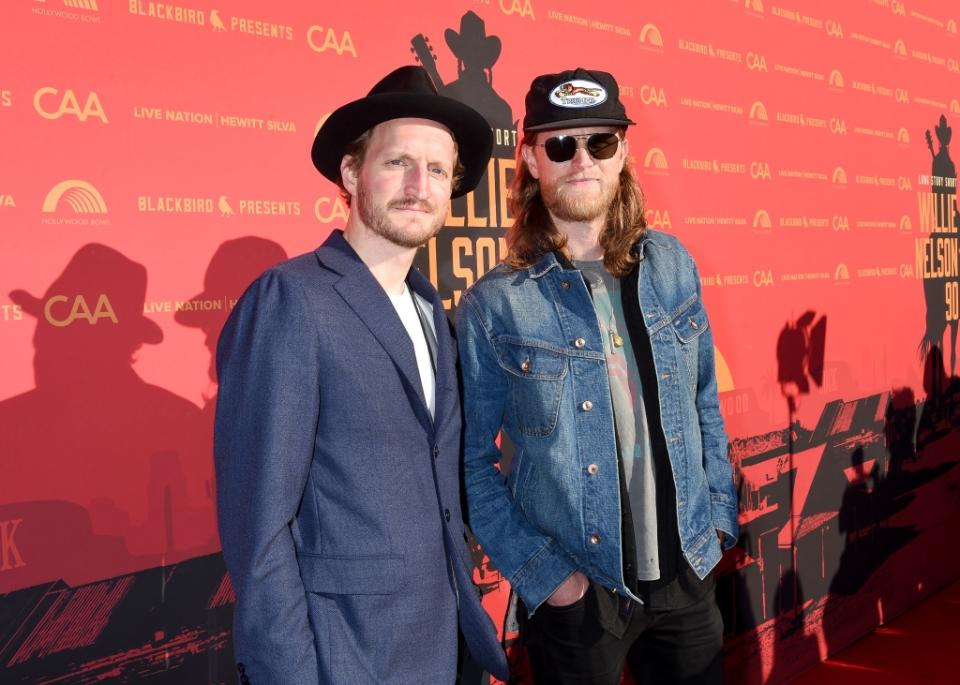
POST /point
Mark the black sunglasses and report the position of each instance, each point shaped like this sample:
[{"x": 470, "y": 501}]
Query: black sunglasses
[{"x": 563, "y": 148}]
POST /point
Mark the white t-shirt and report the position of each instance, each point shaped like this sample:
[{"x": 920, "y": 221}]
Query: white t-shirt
[{"x": 403, "y": 303}]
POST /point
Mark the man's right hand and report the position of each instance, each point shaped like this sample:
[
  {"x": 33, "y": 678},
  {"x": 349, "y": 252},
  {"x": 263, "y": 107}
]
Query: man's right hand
[{"x": 570, "y": 591}]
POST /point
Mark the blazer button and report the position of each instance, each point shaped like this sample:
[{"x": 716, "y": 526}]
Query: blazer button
[
  {"x": 579, "y": 342},
  {"x": 436, "y": 451},
  {"x": 446, "y": 515},
  {"x": 593, "y": 469},
  {"x": 594, "y": 539},
  {"x": 586, "y": 405}
]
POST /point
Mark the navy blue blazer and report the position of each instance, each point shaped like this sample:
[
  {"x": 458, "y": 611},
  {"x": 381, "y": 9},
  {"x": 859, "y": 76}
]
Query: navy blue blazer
[{"x": 338, "y": 497}]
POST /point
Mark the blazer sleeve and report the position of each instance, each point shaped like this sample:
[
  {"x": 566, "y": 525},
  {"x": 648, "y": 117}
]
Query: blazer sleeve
[{"x": 267, "y": 410}]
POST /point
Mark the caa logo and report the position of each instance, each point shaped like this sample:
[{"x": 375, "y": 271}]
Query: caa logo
[
  {"x": 758, "y": 112},
  {"x": 658, "y": 219},
  {"x": 898, "y": 8},
  {"x": 524, "y": 9},
  {"x": 327, "y": 210},
  {"x": 655, "y": 160},
  {"x": 762, "y": 279},
  {"x": 840, "y": 223},
  {"x": 902, "y": 95},
  {"x": 759, "y": 171},
  {"x": 834, "y": 29},
  {"x": 650, "y": 35},
  {"x": 838, "y": 126},
  {"x": 651, "y": 95},
  {"x": 321, "y": 39},
  {"x": 900, "y": 48},
  {"x": 756, "y": 62},
  {"x": 82, "y": 197},
  {"x": 79, "y": 310},
  {"x": 762, "y": 221},
  {"x": 903, "y": 137},
  {"x": 836, "y": 79},
  {"x": 903, "y": 183},
  {"x": 839, "y": 176},
  {"x": 953, "y": 66},
  {"x": 50, "y": 104}
]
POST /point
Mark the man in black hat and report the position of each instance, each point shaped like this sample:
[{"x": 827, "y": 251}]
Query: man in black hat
[
  {"x": 337, "y": 437},
  {"x": 591, "y": 351}
]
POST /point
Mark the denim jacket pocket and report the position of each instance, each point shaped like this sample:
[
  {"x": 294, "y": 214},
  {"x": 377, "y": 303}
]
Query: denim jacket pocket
[
  {"x": 689, "y": 325},
  {"x": 535, "y": 375}
]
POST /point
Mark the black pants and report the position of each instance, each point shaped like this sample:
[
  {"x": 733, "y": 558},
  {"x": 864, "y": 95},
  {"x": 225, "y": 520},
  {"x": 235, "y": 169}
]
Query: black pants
[{"x": 682, "y": 646}]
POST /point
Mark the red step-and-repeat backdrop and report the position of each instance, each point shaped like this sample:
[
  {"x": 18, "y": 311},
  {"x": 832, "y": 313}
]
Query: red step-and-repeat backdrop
[{"x": 155, "y": 160}]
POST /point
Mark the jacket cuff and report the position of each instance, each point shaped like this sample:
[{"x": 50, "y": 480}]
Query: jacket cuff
[
  {"x": 723, "y": 514},
  {"x": 542, "y": 575}
]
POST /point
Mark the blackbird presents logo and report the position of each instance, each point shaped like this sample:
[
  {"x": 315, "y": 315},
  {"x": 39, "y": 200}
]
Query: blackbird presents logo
[
  {"x": 839, "y": 177},
  {"x": 841, "y": 274},
  {"x": 755, "y": 6},
  {"x": 79, "y": 195},
  {"x": 903, "y": 137},
  {"x": 955, "y": 106},
  {"x": 900, "y": 48},
  {"x": 90, "y": 5},
  {"x": 906, "y": 226},
  {"x": 952, "y": 26},
  {"x": 836, "y": 79}
]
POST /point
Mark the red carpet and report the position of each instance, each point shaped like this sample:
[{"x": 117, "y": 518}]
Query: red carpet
[{"x": 921, "y": 646}]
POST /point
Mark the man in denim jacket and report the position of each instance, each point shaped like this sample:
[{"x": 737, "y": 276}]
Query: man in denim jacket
[{"x": 591, "y": 351}]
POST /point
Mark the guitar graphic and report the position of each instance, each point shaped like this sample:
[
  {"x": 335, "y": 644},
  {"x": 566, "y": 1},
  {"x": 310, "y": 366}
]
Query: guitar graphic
[{"x": 423, "y": 51}]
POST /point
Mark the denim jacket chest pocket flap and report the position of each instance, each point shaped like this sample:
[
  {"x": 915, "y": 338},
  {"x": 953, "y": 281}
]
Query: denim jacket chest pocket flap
[
  {"x": 689, "y": 325},
  {"x": 691, "y": 321},
  {"x": 535, "y": 374}
]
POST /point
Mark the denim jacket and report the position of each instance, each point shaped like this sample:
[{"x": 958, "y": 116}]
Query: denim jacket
[{"x": 533, "y": 366}]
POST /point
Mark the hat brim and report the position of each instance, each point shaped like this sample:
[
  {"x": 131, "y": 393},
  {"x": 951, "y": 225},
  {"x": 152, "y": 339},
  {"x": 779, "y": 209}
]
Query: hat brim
[
  {"x": 574, "y": 123},
  {"x": 471, "y": 131}
]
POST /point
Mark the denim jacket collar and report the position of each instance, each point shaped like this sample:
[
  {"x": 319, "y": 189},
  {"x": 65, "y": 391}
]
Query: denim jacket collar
[{"x": 551, "y": 260}]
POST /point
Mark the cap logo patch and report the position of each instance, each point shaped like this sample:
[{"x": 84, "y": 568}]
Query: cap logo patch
[{"x": 578, "y": 93}]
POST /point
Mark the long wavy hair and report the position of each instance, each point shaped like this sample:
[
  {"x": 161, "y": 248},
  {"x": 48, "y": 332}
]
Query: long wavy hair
[{"x": 533, "y": 232}]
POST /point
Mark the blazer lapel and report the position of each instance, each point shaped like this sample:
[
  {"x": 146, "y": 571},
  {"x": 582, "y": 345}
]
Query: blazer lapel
[
  {"x": 364, "y": 295},
  {"x": 446, "y": 378}
]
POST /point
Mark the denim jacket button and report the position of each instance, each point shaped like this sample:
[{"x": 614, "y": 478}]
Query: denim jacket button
[
  {"x": 579, "y": 342},
  {"x": 594, "y": 539},
  {"x": 526, "y": 366},
  {"x": 586, "y": 405},
  {"x": 566, "y": 285},
  {"x": 593, "y": 469}
]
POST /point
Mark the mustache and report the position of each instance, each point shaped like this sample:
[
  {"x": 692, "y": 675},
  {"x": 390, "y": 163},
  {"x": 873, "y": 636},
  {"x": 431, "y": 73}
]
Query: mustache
[{"x": 413, "y": 203}]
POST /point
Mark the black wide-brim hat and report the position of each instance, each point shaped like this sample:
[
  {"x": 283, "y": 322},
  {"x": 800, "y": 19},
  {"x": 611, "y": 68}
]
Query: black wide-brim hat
[{"x": 406, "y": 92}]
